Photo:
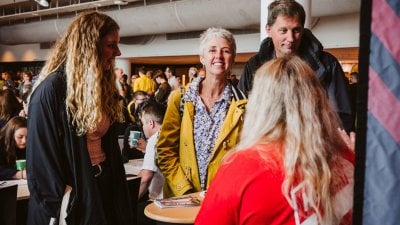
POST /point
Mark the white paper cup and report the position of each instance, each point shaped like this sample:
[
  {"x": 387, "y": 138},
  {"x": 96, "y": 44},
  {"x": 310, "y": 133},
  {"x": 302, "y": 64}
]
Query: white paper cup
[{"x": 134, "y": 137}]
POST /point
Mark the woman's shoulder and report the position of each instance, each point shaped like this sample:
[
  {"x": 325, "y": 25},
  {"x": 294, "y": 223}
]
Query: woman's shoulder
[
  {"x": 55, "y": 78},
  {"x": 262, "y": 156},
  {"x": 53, "y": 85}
]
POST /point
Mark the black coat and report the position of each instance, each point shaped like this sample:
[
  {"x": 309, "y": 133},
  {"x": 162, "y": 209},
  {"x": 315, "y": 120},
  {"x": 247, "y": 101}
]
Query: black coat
[
  {"x": 325, "y": 65},
  {"x": 57, "y": 156}
]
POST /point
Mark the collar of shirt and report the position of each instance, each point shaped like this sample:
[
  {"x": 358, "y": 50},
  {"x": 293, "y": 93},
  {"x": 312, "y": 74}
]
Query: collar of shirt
[{"x": 193, "y": 91}]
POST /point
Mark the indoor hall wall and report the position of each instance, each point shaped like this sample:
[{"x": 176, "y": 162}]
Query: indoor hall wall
[
  {"x": 22, "y": 53},
  {"x": 333, "y": 32},
  {"x": 159, "y": 46},
  {"x": 338, "y": 31}
]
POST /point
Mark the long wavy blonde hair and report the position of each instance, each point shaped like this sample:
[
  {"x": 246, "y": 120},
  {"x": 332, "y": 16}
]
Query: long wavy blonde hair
[
  {"x": 288, "y": 106},
  {"x": 91, "y": 92}
]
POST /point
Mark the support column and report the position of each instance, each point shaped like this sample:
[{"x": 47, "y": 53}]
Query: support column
[
  {"x": 307, "y": 8},
  {"x": 264, "y": 18},
  {"x": 264, "y": 15}
]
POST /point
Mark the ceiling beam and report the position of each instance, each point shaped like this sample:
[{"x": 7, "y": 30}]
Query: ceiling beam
[{"x": 56, "y": 10}]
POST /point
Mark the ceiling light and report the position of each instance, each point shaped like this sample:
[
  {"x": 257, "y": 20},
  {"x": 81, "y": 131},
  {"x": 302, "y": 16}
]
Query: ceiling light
[
  {"x": 44, "y": 3},
  {"x": 120, "y": 2}
]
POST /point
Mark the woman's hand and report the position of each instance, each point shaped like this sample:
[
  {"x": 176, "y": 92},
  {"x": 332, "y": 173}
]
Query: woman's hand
[
  {"x": 21, "y": 174},
  {"x": 349, "y": 140}
]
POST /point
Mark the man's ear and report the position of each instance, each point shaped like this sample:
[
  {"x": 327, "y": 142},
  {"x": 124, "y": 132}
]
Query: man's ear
[
  {"x": 151, "y": 123},
  {"x": 268, "y": 29}
]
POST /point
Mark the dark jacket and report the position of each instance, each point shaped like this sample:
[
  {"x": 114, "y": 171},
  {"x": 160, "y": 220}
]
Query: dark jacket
[
  {"x": 325, "y": 65},
  {"x": 57, "y": 157}
]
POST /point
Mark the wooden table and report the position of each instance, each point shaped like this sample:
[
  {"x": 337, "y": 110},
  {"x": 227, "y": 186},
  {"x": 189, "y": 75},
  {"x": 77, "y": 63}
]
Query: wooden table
[
  {"x": 180, "y": 215},
  {"x": 22, "y": 200},
  {"x": 133, "y": 167},
  {"x": 22, "y": 191}
]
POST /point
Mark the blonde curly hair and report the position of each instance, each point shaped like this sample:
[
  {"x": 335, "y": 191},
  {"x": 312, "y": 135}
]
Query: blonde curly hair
[
  {"x": 91, "y": 92},
  {"x": 288, "y": 106}
]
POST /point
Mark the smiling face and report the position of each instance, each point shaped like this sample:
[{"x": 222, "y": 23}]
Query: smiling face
[
  {"x": 286, "y": 35},
  {"x": 20, "y": 137},
  {"x": 109, "y": 49},
  {"x": 218, "y": 57}
]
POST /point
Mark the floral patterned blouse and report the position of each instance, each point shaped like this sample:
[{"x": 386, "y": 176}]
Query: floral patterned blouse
[{"x": 206, "y": 125}]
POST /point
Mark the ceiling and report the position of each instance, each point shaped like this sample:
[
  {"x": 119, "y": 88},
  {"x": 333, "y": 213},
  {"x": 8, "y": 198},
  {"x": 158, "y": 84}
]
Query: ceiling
[
  {"x": 24, "y": 21},
  {"x": 22, "y": 11},
  {"x": 136, "y": 18}
]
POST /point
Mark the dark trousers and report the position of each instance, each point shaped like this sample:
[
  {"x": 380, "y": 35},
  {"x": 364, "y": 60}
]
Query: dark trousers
[{"x": 105, "y": 187}]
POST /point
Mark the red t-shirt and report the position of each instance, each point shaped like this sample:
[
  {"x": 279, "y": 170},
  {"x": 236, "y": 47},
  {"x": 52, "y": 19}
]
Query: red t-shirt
[{"x": 248, "y": 190}]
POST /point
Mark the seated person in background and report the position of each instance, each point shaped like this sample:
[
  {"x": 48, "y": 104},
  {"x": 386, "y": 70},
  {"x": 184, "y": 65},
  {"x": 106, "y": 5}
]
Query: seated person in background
[
  {"x": 9, "y": 82},
  {"x": 152, "y": 178},
  {"x": 133, "y": 152},
  {"x": 119, "y": 73},
  {"x": 192, "y": 73},
  {"x": 9, "y": 106},
  {"x": 170, "y": 74},
  {"x": 294, "y": 167},
  {"x": 25, "y": 87},
  {"x": 12, "y": 148},
  {"x": 144, "y": 83},
  {"x": 133, "y": 78},
  {"x": 133, "y": 106},
  {"x": 234, "y": 80},
  {"x": 128, "y": 89},
  {"x": 164, "y": 89}
]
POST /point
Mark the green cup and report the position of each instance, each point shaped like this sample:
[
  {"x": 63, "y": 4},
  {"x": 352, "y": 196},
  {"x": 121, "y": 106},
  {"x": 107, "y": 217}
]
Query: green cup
[{"x": 20, "y": 164}]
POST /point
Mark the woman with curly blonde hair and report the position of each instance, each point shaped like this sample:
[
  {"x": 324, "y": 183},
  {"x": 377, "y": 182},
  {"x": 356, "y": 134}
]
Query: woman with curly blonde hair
[
  {"x": 74, "y": 165},
  {"x": 294, "y": 168}
]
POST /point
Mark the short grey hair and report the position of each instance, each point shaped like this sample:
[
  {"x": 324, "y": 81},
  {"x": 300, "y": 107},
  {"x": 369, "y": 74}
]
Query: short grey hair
[{"x": 218, "y": 32}]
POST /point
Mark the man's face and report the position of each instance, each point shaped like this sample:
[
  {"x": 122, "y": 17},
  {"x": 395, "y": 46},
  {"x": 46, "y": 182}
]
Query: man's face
[
  {"x": 139, "y": 99},
  {"x": 119, "y": 73},
  {"x": 286, "y": 35}
]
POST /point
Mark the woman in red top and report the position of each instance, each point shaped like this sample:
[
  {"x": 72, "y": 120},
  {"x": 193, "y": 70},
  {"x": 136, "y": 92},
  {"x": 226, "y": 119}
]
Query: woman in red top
[{"x": 291, "y": 166}]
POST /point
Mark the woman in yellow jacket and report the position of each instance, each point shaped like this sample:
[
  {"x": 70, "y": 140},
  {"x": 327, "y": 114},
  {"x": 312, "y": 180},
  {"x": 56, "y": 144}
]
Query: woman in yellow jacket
[{"x": 202, "y": 123}]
